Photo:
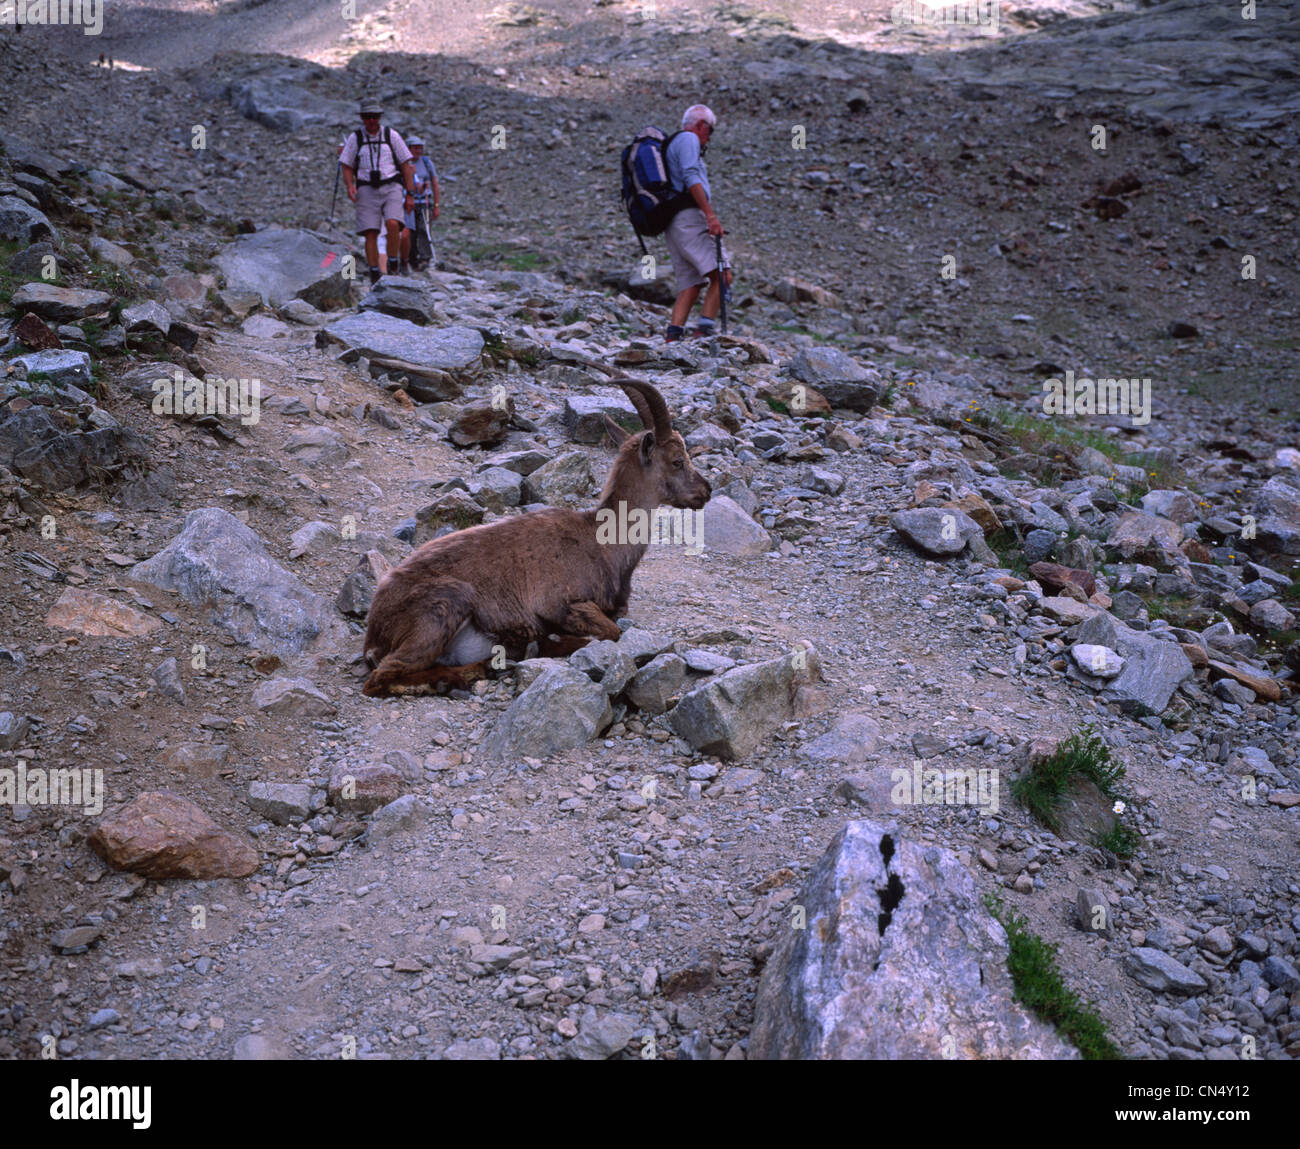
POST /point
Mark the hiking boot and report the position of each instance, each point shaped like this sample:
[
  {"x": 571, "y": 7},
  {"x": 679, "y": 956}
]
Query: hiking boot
[
  {"x": 406, "y": 268},
  {"x": 674, "y": 334},
  {"x": 394, "y": 267},
  {"x": 374, "y": 275}
]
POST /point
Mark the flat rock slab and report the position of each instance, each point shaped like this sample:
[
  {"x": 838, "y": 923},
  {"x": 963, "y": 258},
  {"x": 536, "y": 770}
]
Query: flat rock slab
[
  {"x": 60, "y": 304},
  {"x": 280, "y": 264},
  {"x": 85, "y": 612},
  {"x": 161, "y": 835},
  {"x": 61, "y": 366},
  {"x": 1264, "y": 687},
  {"x": 372, "y": 333},
  {"x": 1159, "y": 972},
  {"x": 900, "y": 960},
  {"x": 1068, "y": 611},
  {"x": 295, "y": 697}
]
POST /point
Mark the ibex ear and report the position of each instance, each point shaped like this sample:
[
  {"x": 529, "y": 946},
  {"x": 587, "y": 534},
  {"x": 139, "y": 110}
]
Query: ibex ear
[
  {"x": 646, "y": 447},
  {"x": 615, "y": 432}
]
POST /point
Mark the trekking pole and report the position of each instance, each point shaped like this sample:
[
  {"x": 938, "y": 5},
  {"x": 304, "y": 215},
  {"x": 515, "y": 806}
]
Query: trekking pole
[
  {"x": 428, "y": 235},
  {"x": 337, "y": 168},
  {"x": 722, "y": 283}
]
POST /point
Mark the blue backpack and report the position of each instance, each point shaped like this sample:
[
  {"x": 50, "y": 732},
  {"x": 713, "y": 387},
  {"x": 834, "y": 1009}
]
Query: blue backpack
[{"x": 648, "y": 195}]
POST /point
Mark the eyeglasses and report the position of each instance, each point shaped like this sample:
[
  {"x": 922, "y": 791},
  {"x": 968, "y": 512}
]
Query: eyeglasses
[{"x": 370, "y": 116}]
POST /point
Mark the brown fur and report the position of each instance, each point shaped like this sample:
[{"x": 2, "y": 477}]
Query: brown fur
[{"x": 522, "y": 579}]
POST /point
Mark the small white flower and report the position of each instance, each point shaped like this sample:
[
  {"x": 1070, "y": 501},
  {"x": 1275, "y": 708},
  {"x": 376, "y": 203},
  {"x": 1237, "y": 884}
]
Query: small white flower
[{"x": 1118, "y": 807}]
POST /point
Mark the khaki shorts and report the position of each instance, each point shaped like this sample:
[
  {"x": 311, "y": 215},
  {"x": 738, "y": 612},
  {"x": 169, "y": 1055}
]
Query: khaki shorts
[
  {"x": 375, "y": 205},
  {"x": 694, "y": 251}
]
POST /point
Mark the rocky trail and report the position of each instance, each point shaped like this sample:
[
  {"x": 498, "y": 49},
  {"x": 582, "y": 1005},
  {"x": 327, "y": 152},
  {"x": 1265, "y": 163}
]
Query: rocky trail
[{"x": 911, "y": 577}]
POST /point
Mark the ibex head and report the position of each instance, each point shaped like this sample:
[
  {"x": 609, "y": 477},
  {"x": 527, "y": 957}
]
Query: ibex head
[{"x": 663, "y": 472}]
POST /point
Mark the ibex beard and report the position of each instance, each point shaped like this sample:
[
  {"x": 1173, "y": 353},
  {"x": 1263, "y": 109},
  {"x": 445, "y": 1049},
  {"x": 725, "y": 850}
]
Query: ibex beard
[{"x": 546, "y": 577}]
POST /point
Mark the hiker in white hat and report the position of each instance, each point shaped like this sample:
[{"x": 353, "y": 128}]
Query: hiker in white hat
[{"x": 376, "y": 167}]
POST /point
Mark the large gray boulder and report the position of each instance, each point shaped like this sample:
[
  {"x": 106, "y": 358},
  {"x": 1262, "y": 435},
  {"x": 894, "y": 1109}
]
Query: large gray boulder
[
  {"x": 403, "y": 298},
  {"x": 568, "y": 474},
  {"x": 45, "y": 449},
  {"x": 840, "y": 378},
  {"x": 562, "y": 709},
  {"x": 1152, "y": 670},
  {"x": 280, "y": 264},
  {"x": 282, "y": 94},
  {"x": 28, "y": 157},
  {"x": 584, "y": 416},
  {"x": 24, "y": 223},
  {"x": 656, "y": 682},
  {"x": 1277, "y": 507},
  {"x": 1140, "y": 537},
  {"x": 938, "y": 531},
  {"x": 898, "y": 960},
  {"x": 374, "y": 334},
  {"x": 220, "y": 564},
  {"x": 732, "y": 714},
  {"x": 818, "y": 365},
  {"x": 728, "y": 530},
  {"x": 1159, "y": 972}
]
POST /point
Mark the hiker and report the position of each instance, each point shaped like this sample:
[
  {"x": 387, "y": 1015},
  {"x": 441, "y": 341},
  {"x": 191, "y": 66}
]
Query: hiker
[
  {"x": 427, "y": 196},
  {"x": 380, "y": 163},
  {"x": 690, "y": 236}
]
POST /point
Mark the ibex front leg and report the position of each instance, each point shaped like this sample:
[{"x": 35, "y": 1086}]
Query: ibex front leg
[{"x": 582, "y": 622}]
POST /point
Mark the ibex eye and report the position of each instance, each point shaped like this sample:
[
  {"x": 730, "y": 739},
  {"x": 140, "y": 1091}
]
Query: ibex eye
[{"x": 678, "y": 464}]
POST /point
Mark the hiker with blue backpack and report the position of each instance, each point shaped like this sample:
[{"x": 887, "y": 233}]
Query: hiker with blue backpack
[{"x": 666, "y": 192}]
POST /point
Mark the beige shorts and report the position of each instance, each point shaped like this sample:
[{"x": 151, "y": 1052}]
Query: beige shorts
[
  {"x": 694, "y": 251},
  {"x": 374, "y": 205}
]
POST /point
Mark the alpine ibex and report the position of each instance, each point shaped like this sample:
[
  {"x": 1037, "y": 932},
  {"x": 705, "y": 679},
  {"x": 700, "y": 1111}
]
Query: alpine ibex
[{"x": 436, "y": 617}]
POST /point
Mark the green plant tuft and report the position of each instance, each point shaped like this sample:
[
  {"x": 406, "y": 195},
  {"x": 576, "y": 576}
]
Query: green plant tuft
[
  {"x": 1038, "y": 985},
  {"x": 1042, "y": 787}
]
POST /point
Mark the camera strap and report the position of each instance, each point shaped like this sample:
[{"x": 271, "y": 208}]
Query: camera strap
[{"x": 385, "y": 137}]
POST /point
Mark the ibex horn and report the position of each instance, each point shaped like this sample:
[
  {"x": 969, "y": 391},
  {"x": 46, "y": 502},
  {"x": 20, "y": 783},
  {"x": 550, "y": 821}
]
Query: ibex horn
[{"x": 644, "y": 396}]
